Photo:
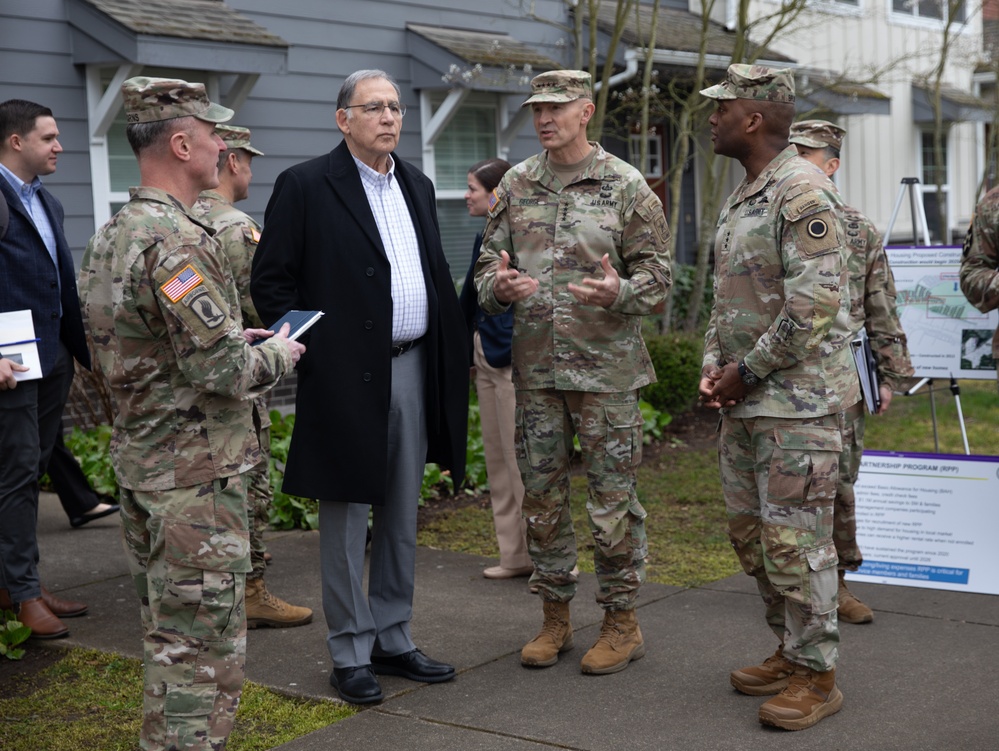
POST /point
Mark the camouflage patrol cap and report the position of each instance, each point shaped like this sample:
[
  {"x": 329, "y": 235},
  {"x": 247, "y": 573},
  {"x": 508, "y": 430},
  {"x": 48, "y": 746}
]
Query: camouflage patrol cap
[
  {"x": 235, "y": 137},
  {"x": 817, "y": 134},
  {"x": 560, "y": 86},
  {"x": 754, "y": 82},
  {"x": 149, "y": 100}
]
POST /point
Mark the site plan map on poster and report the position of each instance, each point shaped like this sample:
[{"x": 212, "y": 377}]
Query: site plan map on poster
[
  {"x": 929, "y": 520},
  {"x": 947, "y": 335}
]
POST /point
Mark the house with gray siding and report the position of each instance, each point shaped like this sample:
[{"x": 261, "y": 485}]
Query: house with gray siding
[{"x": 463, "y": 66}]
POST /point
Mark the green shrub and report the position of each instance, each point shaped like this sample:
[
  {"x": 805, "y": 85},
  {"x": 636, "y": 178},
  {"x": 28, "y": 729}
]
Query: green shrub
[
  {"x": 92, "y": 450},
  {"x": 287, "y": 511},
  {"x": 12, "y": 633},
  {"x": 683, "y": 283},
  {"x": 677, "y": 360}
]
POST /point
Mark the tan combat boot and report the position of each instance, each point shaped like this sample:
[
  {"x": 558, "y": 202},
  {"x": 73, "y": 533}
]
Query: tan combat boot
[
  {"x": 762, "y": 680},
  {"x": 554, "y": 638},
  {"x": 264, "y": 609},
  {"x": 851, "y": 610},
  {"x": 619, "y": 643},
  {"x": 809, "y": 696}
]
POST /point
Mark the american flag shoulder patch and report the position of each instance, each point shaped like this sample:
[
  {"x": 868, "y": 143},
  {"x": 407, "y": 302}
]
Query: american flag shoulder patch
[{"x": 181, "y": 283}]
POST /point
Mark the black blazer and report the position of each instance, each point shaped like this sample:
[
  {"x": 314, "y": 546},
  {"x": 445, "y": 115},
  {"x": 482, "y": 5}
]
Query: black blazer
[
  {"x": 28, "y": 279},
  {"x": 495, "y": 332},
  {"x": 320, "y": 250}
]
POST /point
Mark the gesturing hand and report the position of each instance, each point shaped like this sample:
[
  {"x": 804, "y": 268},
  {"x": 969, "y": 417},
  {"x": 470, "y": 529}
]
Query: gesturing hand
[
  {"x": 510, "y": 285},
  {"x": 600, "y": 292}
]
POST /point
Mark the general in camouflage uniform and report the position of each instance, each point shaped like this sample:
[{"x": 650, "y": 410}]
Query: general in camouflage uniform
[
  {"x": 980, "y": 262},
  {"x": 872, "y": 308},
  {"x": 237, "y": 233},
  {"x": 776, "y": 360},
  {"x": 163, "y": 312},
  {"x": 578, "y": 242}
]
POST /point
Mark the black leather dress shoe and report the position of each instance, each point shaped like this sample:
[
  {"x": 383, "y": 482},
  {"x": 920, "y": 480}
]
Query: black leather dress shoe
[
  {"x": 79, "y": 521},
  {"x": 356, "y": 685},
  {"x": 413, "y": 665}
]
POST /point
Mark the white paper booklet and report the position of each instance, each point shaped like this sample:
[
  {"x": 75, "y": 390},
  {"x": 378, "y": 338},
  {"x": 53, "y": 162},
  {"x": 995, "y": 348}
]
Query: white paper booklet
[{"x": 18, "y": 343}]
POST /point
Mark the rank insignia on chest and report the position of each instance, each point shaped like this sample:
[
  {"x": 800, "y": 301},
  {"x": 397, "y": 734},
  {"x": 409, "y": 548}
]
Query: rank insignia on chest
[
  {"x": 181, "y": 283},
  {"x": 817, "y": 228}
]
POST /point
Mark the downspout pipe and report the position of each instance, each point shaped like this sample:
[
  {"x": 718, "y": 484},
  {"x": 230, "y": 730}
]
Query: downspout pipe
[{"x": 629, "y": 72}]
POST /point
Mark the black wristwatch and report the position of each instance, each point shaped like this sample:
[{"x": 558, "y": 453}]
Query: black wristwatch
[{"x": 748, "y": 377}]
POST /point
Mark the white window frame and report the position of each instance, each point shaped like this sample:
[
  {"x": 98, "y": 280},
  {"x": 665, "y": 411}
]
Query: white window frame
[
  {"x": 655, "y": 147},
  {"x": 104, "y": 105},
  {"x": 931, "y": 187},
  {"x": 472, "y": 100},
  {"x": 927, "y": 22}
]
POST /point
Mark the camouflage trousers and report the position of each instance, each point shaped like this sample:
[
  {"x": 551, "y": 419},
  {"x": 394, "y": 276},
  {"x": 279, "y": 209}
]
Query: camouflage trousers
[
  {"x": 188, "y": 553},
  {"x": 609, "y": 427},
  {"x": 779, "y": 477},
  {"x": 259, "y": 495},
  {"x": 845, "y": 513}
]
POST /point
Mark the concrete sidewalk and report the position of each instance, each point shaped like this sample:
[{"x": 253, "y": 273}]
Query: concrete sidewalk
[{"x": 924, "y": 675}]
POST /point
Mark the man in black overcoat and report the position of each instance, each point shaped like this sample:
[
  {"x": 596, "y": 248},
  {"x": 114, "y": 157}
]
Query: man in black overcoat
[{"x": 383, "y": 388}]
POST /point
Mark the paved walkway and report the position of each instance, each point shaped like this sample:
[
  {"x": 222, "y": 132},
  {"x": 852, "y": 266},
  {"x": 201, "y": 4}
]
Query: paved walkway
[{"x": 924, "y": 675}]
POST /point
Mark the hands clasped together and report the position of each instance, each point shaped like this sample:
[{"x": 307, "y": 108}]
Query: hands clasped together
[{"x": 721, "y": 387}]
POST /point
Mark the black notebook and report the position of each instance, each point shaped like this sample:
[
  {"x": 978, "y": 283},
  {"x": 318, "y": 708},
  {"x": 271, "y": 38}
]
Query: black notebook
[{"x": 300, "y": 320}]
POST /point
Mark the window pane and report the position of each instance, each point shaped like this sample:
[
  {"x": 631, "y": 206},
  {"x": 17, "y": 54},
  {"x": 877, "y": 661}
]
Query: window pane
[
  {"x": 123, "y": 168},
  {"x": 470, "y": 137},
  {"x": 930, "y": 167}
]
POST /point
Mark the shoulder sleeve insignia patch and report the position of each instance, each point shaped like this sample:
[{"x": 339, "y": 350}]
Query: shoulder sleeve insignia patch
[
  {"x": 206, "y": 309},
  {"x": 493, "y": 200},
  {"x": 255, "y": 234},
  {"x": 817, "y": 228},
  {"x": 181, "y": 283}
]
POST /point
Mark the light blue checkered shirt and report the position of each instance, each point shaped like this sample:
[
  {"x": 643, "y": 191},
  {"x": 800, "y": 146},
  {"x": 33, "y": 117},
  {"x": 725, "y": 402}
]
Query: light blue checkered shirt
[
  {"x": 28, "y": 193},
  {"x": 395, "y": 226}
]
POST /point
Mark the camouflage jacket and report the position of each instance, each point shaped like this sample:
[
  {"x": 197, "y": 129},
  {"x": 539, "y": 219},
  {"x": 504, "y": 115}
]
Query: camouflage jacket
[
  {"x": 980, "y": 262},
  {"x": 558, "y": 234},
  {"x": 160, "y": 305},
  {"x": 782, "y": 299},
  {"x": 237, "y": 233},
  {"x": 872, "y": 300}
]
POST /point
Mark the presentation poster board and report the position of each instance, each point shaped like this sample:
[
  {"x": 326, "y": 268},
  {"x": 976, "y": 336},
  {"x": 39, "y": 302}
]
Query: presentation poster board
[
  {"x": 929, "y": 520},
  {"x": 947, "y": 335}
]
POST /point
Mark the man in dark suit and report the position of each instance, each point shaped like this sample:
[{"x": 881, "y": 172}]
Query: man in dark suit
[
  {"x": 36, "y": 273},
  {"x": 383, "y": 388}
]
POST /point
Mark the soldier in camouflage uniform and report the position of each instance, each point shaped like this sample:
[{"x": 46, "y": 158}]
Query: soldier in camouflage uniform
[
  {"x": 872, "y": 307},
  {"x": 776, "y": 361},
  {"x": 162, "y": 309},
  {"x": 237, "y": 234},
  {"x": 578, "y": 243},
  {"x": 980, "y": 261}
]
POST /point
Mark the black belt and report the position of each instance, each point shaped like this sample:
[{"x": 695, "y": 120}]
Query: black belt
[{"x": 401, "y": 349}]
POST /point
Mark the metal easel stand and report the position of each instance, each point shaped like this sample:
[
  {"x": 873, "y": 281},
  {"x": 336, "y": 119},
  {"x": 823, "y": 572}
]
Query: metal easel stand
[
  {"x": 912, "y": 186},
  {"x": 956, "y": 391},
  {"x": 915, "y": 205}
]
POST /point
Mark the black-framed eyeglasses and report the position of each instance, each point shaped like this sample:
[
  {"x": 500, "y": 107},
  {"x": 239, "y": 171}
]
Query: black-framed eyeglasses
[{"x": 374, "y": 109}]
